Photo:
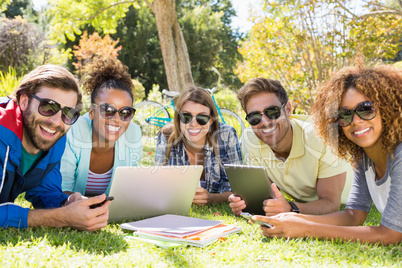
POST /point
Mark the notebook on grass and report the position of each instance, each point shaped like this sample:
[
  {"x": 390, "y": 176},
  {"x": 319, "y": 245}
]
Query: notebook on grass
[
  {"x": 179, "y": 230},
  {"x": 142, "y": 192},
  {"x": 251, "y": 184}
]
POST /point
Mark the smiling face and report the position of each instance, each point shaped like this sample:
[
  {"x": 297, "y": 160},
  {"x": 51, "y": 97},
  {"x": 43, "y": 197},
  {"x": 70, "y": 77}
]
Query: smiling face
[
  {"x": 42, "y": 132},
  {"x": 194, "y": 132},
  {"x": 109, "y": 130},
  {"x": 274, "y": 133},
  {"x": 364, "y": 133}
]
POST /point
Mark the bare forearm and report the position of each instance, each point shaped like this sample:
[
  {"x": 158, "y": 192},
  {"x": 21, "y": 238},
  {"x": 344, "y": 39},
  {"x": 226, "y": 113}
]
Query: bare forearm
[
  {"x": 343, "y": 218},
  {"x": 46, "y": 217},
  {"x": 370, "y": 234},
  {"x": 319, "y": 207},
  {"x": 219, "y": 198}
]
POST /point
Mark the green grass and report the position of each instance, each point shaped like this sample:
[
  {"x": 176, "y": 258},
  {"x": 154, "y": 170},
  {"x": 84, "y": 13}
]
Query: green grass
[{"x": 52, "y": 247}]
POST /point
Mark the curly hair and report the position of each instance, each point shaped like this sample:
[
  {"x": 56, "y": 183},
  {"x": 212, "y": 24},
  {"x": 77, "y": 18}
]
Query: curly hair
[
  {"x": 107, "y": 74},
  {"x": 382, "y": 85}
]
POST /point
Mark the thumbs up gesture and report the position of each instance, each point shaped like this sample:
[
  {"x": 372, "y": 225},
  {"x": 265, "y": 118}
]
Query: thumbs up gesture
[{"x": 276, "y": 205}]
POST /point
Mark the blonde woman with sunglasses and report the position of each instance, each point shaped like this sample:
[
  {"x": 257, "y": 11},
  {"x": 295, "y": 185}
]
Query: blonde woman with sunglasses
[
  {"x": 105, "y": 137},
  {"x": 199, "y": 139},
  {"x": 358, "y": 113}
]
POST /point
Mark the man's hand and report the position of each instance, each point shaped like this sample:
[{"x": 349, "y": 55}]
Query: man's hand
[
  {"x": 80, "y": 216},
  {"x": 201, "y": 196},
  {"x": 76, "y": 214},
  {"x": 74, "y": 197},
  {"x": 287, "y": 225},
  {"x": 276, "y": 205},
  {"x": 236, "y": 204}
]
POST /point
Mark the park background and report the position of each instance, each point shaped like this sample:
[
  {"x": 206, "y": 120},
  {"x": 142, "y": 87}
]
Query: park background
[{"x": 299, "y": 42}]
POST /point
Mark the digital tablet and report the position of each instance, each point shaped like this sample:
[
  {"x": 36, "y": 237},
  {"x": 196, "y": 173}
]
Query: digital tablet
[{"x": 251, "y": 184}]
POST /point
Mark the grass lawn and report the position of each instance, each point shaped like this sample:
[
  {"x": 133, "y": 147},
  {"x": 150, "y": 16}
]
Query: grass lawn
[{"x": 51, "y": 247}]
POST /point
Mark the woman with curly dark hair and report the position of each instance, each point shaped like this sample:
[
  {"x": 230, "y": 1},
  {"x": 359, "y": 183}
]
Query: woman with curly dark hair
[
  {"x": 105, "y": 137},
  {"x": 358, "y": 113}
]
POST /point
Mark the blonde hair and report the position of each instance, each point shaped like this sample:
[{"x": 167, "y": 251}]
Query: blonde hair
[{"x": 200, "y": 96}]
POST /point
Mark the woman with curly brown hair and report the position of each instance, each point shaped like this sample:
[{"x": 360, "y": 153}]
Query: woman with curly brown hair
[
  {"x": 358, "y": 113},
  {"x": 105, "y": 137}
]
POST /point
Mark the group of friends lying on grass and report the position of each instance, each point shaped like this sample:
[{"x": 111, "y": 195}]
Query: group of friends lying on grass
[{"x": 348, "y": 150}]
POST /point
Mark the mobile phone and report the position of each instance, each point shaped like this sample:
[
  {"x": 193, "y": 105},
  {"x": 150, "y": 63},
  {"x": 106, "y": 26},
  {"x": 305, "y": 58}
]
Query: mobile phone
[
  {"x": 248, "y": 217},
  {"x": 103, "y": 202}
]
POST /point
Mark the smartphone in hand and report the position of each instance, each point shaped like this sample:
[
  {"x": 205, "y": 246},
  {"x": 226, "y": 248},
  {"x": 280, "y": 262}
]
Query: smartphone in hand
[
  {"x": 103, "y": 202},
  {"x": 248, "y": 217}
]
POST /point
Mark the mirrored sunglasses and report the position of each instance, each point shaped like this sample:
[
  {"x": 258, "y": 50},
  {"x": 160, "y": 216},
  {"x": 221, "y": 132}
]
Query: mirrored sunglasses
[
  {"x": 107, "y": 111},
  {"x": 272, "y": 112},
  {"x": 202, "y": 119},
  {"x": 48, "y": 107},
  {"x": 364, "y": 110}
]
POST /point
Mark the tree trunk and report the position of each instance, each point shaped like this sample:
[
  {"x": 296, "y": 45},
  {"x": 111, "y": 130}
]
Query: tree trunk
[{"x": 173, "y": 46}]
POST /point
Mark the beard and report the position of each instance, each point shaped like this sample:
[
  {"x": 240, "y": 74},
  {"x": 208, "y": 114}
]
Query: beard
[{"x": 31, "y": 126}]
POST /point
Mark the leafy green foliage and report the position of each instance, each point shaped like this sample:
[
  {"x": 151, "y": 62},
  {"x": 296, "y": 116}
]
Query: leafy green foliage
[
  {"x": 9, "y": 81},
  {"x": 206, "y": 28},
  {"x": 141, "y": 50},
  {"x": 139, "y": 91},
  {"x": 18, "y": 39},
  {"x": 3, "y": 4},
  {"x": 301, "y": 43}
]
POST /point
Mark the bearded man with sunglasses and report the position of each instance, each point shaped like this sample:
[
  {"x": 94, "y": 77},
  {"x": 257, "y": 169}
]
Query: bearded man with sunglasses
[
  {"x": 297, "y": 161},
  {"x": 33, "y": 122}
]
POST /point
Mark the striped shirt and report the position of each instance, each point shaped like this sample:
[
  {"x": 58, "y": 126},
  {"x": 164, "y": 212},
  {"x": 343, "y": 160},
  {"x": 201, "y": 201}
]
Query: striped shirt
[{"x": 97, "y": 183}]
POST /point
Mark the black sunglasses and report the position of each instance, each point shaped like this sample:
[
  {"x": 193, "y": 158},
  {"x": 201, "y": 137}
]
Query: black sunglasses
[
  {"x": 202, "y": 119},
  {"x": 272, "y": 112},
  {"x": 364, "y": 110},
  {"x": 48, "y": 107},
  {"x": 107, "y": 111}
]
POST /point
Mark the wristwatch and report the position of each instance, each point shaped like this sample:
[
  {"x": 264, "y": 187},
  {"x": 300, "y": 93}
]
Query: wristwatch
[{"x": 294, "y": 207}]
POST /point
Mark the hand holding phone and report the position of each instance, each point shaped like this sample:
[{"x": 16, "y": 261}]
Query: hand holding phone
[
  {"x": 103, "y": 202},
  {"x": 248, "y": 217}
]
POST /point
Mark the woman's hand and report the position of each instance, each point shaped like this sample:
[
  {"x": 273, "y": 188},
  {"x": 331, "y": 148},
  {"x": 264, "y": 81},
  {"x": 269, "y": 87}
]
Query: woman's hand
[{"x": 202, "y": 196}]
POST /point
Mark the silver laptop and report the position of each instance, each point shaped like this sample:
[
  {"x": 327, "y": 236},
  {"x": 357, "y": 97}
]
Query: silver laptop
[
  {"x": 252, "y": 184},
  {"x": 143, "y": 192}
]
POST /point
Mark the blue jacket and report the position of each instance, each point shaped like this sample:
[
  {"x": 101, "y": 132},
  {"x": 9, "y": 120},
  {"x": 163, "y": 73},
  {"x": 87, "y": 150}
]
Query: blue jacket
[
  {"x": 42, "y": 183},
  {"x": 76, "y": 158}
]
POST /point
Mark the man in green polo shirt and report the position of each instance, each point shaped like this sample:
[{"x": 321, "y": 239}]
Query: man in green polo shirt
[{"x": 297, "y": 161}]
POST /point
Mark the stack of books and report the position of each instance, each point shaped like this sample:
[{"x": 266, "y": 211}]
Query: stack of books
[{"x": 174, "y": 230}]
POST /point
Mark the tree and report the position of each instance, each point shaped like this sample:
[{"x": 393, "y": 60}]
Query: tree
[
  {"x": 70, "y": 15},
  {"x": 18, "y": 38},
  {"x": 3, "y": 4},
  {"x": 94, "y": 47},
  {"x": 206, "y": 28},
  {"x": 377, "y": 8},
  {"x": 301, "y": 42}
]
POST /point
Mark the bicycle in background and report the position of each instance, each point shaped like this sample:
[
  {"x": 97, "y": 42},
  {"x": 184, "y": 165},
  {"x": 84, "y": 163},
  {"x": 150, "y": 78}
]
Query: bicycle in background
[{"x": 151, "y": 116}]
